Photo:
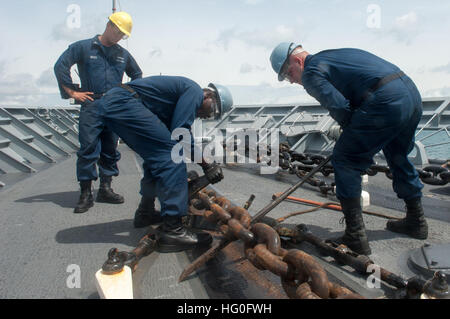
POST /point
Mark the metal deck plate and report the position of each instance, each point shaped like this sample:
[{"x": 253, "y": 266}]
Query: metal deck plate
[{"x": 431, "y": 258}]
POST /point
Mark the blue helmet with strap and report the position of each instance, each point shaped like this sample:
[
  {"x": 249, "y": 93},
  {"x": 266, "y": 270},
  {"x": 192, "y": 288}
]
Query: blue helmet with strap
[
  {"x": 225, "y": 99},
  {"x": 280, "y": 56}
]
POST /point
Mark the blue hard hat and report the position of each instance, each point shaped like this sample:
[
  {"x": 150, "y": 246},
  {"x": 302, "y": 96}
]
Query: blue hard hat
[
  {"x": 225, "y": 99},
  {"x": 280, "y": 55}
]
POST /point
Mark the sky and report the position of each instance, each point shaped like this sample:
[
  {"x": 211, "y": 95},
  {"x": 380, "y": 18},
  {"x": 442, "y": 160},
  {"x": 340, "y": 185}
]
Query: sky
[{"x": 228, "y": 42}]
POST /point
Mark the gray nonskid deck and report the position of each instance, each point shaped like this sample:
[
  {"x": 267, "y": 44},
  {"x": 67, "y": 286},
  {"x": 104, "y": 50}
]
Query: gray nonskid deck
[{"x": 42, "y": 238}]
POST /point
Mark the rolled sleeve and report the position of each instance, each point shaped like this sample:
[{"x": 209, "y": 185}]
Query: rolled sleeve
[{"x": 132, "y": 69}]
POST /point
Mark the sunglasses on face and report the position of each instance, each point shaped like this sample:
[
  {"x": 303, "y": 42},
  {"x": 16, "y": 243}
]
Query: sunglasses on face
[
  {"x": 118, "y": 32},
  {"x": 285, "y": 69},
  {"x": 285, "y": 73}
]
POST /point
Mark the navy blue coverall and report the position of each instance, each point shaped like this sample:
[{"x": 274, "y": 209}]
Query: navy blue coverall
[
  {"x": 100, "y": 69},
  {"x": 146, "y": 123},
  {"x": 372, "y": 120}
]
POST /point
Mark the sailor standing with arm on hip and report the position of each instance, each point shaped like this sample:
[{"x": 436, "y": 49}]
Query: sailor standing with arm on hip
[
  {"x": 101, "y": 64},
  {"x": 378, "y": 107}
]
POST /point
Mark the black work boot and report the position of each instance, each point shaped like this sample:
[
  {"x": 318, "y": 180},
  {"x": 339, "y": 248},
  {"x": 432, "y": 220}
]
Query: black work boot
[
  {"x": 414, "y": 224},
  {"x": 146, "y": 214},
  {"x": 355, "y": 236},
  {"x": 172, "y": 236},
  {"x": 86, "y": 200},
  {"x": 106, "y": 194}
]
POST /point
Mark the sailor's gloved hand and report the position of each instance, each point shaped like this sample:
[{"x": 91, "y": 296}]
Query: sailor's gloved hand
[{"x": 213, "y": 172}]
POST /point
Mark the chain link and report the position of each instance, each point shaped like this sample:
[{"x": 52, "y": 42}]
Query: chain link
[
  {"x": 432, "y": 175},
  {"x": 301, "y": 163},
  {"x": 301, "y": 275}
]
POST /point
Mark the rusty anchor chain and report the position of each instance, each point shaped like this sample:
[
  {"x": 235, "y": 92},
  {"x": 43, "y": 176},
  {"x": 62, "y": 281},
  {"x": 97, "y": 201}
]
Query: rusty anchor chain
[
  {"x": 301, "y": 163},
  {"x": 286, "y": 162},
  {"x": 413, "y": 287},
  {"x": 301, "y": 276},
  {"x": 224, "y": 242},
  {"x": 218, "y": 211},
  {"x": 432, "y": 175}
]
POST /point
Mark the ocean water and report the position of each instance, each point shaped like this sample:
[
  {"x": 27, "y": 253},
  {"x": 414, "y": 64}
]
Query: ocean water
[{"x": 439, "y": 152}]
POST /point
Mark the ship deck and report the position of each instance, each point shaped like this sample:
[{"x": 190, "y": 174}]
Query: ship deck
[{"x": 44, "y": 244}]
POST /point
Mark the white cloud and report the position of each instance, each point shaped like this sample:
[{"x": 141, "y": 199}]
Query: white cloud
[
  {"x": 47, "y": 79},
  {"x": 18, "y": 84},
  {"x": 232, "y": 47},
  {"x": 260, "y": 38},
  {"x": 406, "y": 28},
  {"x": 265, "y": 93},
  {"x": 90, "y": 26},
  {"x": 443, "y": 91},
  {"x": 403, "y": 29},
  {"x": 248, "y": 68},
  {"x": 284, "y": 31},
  {"x": 406, "y": 21},
  {"x": 442, "y": 68},
  {"x": 24, "y": 89},
  {"x": 253, "y": 2}
]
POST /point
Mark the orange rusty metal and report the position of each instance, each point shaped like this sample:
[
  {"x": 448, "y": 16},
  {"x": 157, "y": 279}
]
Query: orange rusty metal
[
  {"x": 301, "y": 276},
  {"x": 307, "y": 201},
  {"x": 223, "y": 202},
  {"x": 271, "y": 262},
  {"x": 210, "y": 216},
  {"x": 290, "y": 288},
  {"x": 304, "y": 292},
  {"x": 262, "y": 279},
  {"x": 221, "y": 213},
  {"x": 338, "y": 291},
  {"x": 331, "y": 206},
  {"x": 242, "y": 215},
  {"x": 267, "y": 235},
  {"x": 306, "y": 264},
  {"x": 239, "y": 231},
  {"x": 251, "y": 256}
]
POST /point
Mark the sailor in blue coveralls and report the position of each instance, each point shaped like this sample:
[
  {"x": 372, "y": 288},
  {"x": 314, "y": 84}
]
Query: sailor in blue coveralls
[
  {"x": 145, "y": 113},
  {"x": 101, "y": 64},
  {"x": 378, "y": 108}
]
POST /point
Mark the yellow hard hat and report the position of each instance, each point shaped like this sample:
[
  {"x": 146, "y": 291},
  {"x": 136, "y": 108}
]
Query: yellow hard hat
[{"x": 123, "y": 21}]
